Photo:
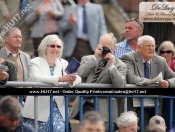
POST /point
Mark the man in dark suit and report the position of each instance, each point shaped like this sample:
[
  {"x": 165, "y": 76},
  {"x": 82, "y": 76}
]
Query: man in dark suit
[
  {"x": 143, "y": 65},
  {"x": 112, "y": 71}
]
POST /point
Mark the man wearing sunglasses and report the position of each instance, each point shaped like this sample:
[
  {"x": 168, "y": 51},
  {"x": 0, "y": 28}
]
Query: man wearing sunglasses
[
  {"x": 133, "y": 30},
  {"x": 142, "y": 66}
]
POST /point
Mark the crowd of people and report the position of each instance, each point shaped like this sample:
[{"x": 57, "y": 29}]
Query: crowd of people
[{"x": 59, "y": 34}]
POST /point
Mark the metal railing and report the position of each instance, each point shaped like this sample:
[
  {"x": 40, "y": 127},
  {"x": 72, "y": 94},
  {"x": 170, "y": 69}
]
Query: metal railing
[{"x": 89, "y": 85}]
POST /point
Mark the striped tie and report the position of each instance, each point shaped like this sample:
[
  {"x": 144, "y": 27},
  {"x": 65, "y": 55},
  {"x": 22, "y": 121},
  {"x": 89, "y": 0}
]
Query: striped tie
[{"x": 99, "y": 69}]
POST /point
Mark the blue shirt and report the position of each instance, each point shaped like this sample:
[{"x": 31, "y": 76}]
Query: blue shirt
[{"x": 122, "y": 48}]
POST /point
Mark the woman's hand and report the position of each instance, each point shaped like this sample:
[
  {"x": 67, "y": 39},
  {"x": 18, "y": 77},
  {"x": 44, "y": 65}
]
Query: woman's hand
[
  {"x": 68, "y": 78},
  {"x": 3, "y": 76}
]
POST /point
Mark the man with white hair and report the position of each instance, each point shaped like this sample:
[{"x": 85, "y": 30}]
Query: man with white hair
[
  {"x": 127, "y": 122},
  {"x": 143, "y": 65}
]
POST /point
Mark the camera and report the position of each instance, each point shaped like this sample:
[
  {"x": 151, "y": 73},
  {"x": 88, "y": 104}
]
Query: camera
[{"x": 105, "y": 50}]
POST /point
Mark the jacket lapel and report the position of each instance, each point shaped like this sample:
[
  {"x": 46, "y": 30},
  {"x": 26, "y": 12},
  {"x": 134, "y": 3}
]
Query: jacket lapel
[
  {"x": 3, "y": 53},
  {"x": 154, "y": 68},
  {"x": 58, "y": 68},
  {"x": 45, "y": 66},
  {"x": 139, "y": 63}
]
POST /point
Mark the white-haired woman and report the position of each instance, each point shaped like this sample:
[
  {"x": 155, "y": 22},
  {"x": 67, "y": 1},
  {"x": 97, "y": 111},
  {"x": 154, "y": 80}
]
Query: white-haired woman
[
  {"x": 127, "y": 122},
  {"x": 166, "y": 50},
  {"x": 49, "y": 68}
]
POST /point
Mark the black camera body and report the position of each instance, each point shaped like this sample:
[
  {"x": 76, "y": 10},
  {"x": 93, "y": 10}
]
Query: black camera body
[{"x": 105, "y": 50}]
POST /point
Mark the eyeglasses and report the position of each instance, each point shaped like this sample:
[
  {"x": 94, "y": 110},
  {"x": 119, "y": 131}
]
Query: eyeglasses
[
  {"x": 163, "y": 52},
  {"x": 53, "y": 46},
  {"x": 138, "y": 21},
  {"x": 150, "y": 46}
]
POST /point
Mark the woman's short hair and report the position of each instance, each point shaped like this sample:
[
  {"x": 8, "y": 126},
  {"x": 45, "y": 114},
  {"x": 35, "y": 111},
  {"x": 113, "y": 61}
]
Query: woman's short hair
[
  {"x": 46, "y": 41},
  {"x": 127, "y": 118},
  {"x": 145, "y": 37},
  {"x": 167, "y": 44}
]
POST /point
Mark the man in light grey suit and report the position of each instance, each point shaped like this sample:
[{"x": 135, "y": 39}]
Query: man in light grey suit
[
  {"x": 82, "y": 26},
  {"x": 114, "y": 72},
  {"x": 143, "y": 65},
  {"x": 13, "y": 41}
]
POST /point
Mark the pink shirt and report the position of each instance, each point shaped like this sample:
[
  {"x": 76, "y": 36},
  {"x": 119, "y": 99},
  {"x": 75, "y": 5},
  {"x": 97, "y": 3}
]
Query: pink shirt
[
  {"x": 50, "y": 24},
  {"x": 172, "y": 64}
]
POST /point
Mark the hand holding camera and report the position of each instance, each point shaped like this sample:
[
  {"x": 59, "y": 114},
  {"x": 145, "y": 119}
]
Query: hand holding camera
[{"x": 105, "y": 53}]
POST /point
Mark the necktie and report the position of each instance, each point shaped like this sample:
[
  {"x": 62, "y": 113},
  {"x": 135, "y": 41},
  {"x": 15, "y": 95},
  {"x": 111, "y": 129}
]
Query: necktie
[
  {"x": 99, "y": 69},
  {"x": 24, "y": 4},
  {"x": 84, "y": 20},
  {"x": 146, "y": 70}
]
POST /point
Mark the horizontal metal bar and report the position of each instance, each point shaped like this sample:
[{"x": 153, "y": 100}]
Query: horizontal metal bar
[{"x": 65, "y": 85}]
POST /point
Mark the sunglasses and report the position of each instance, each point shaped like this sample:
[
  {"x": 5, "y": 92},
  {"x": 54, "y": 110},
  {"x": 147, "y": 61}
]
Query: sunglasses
[
  {"x": 53, "y": 46},
  {"x": 135, "y": 19},
  {"x": 163, "y": 52}
]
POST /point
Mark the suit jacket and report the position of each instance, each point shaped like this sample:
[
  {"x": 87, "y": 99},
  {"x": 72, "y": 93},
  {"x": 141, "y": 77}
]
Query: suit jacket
[
  {"x": 117, "y": 77},
  {"x": 40, "y": 72},
  {"x": 135, "y": 72},
  {"x": 24, "y": 60},
  {"x": 96, "y": 27},
  {"x": 38, "y": 21}
]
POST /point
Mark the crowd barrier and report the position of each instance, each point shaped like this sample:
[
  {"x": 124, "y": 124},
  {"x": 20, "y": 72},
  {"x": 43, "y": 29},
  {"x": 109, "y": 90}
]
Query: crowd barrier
[{"x": 89, "y": 85}]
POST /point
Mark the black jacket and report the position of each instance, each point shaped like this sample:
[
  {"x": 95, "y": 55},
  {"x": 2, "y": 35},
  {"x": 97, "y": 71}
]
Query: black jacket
[{"x": 23, "y": 127}]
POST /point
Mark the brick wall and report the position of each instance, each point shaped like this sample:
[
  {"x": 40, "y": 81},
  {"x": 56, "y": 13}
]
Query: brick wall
[{"x": 131, "y": 5}]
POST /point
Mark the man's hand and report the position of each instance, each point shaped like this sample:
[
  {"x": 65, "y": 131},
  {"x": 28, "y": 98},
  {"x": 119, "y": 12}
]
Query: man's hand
[
  {"x": 72, "y": 19},
  {"x": 7, "y": 17},
  {"x": 110, "y": 58},
  {"x": 98, "y": 51},
  {"x": 164, "y": 84},
  {"x": 51, "y": 14},
  {"x": 3, "y": 76}
]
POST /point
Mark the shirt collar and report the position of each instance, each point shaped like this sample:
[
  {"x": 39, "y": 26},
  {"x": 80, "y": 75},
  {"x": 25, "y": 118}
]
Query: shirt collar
[
  {"x": 86, "y": 5},
  {"x": 147, "y": 61},
  {"x": 8, "y": 51},
  {"x": 126, "y": 45}
]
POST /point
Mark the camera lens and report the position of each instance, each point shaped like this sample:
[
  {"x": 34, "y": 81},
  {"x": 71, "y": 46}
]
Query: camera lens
[{"x": 105, "y": 50}]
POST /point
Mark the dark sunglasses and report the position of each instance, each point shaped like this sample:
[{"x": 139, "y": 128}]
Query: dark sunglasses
[
  {"x": 163, "y": 52},
  {"x": 135, "y": 19},
  {"x": 53, "y": 46}
]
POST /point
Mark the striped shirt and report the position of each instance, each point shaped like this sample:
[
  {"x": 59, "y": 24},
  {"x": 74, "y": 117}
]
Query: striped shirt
[{"x": 122, "y": 48}]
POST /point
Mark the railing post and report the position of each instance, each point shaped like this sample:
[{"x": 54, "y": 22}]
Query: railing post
[
  {"x": 156, "y": 106},
  {"x": 96, "y": 103},
  {"x": 51, "y": 113},
  {"x": 66, "y": 114},
  {"x": 36, "y": 112},
  {"x": 110, "y": 114},
  {"x": 171, "y": 113},
  {"x": 81, "y": 108},
  {"x": 142, "y": 114},
  {"x": 125, "y": 105},
  {"x": 21, "y": 100}
]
